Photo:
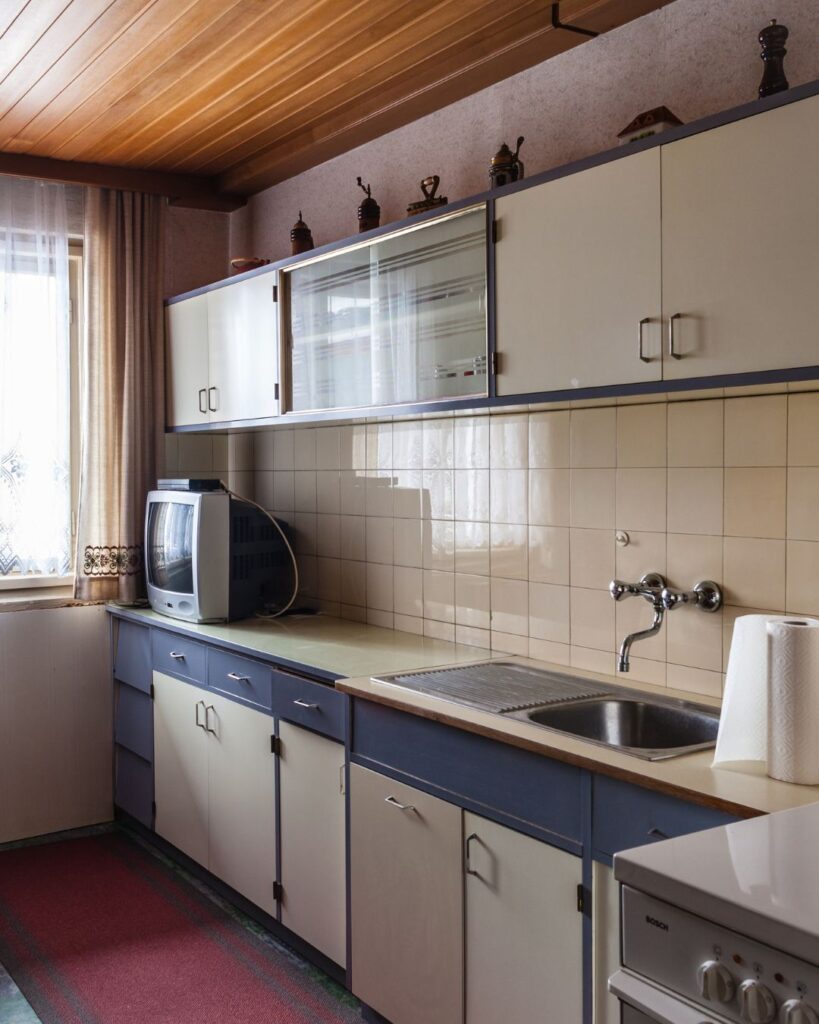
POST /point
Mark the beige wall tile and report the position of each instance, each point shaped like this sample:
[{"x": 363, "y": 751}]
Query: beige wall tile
[
  {"x": 549, "y": 651},
  {"x": 549, "y": 554},
  {"x": 509, "y": 643},
  {"x": 384, "y": 619},
  {"x": 472, "y": 600},
  {"x": 695, "y": 433},
  {"x": 473, "y": 637},
  {"x": 549, "y": 440},
  {"x": 380, "y": 537},
  {"x": 509, "y": 442},
  {"x": 379, "y": 446},
  {"x": 756, "y": 431},
  {"x": 304, "y": 490},
  {"x": 694, "y": 638},
  {"x": 754, "y": 574},
  {"x": 472, "y": 494},
  {"x": 509, "y": 551},
  {"x": 592, "y": 619},
  {"x": 407, "y": 445},
  {"x": 220, "y": 457},
  {"x": 354, "y": 613},
  {"x": 263, "y": 454},
  {"x": 409, "y": 624},
  {"x": 408, "y": 542},
  {"x": 695, "y": 503},
  {"x": 755, "y": 502},
  {"x": 471, "y": 442},
  {"x": 439, "y": 595},
  {"x": 408, "y": 584},
  {"x": 803, "y": 577},
  {"x": 593, "y": 661},
  {"x": 439, "y": 545},
  {"x": 353, "y": 583},
  {"x": 645, "y": 552},
  {"x": 592, "y": 558},
  {"x": 380, "y": 586},
  {"x": 195, "y": 454},
  {"x": 352, "y": 493},
  {"x": 352, "y": 447},
  {"x": 409, "y": 501},
  {"x": 263, "y": 488},
  {"x": 641, "y": 436},
  {"x": 803, "y": 430},
  {"x": 549, "y": 497},
  {"x": 378, "y": 494},
  {"x": 329, "y": 578},
  {"x": 692, "y": 558},
  {"x": 593, "y": 434},
  {"x": 472, "y": 548},
  {"x": 328, "y": 448},
  {"x": 438, "y": 499},
  {"x": 303, "y": 528},
  {"x": 694, "y": 680},
  {"x": 353, "y": 537},
  {"x": 304, "y": 448},
  {"x": 592, "y": 498},
  {"x": 283, "y": 449},
  {"x": 438, "y": 444},
  {"x": 509, "y": 495},
  {"x": 328, "y": 535},
  {"x": 283, "y": 494},
  {"x": 645, "y": 671},
  {"x": 440, "y": 630},
  {"x": 641, "y": 499},
  {"x": 328, "y": 490},
  {"x": 510, "y": 606},
  {"x": 803, "y": 503},
  {"x": 549, "y": 612}
]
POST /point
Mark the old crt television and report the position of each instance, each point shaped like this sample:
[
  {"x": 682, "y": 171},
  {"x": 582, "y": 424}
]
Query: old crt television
[{"x": 211, "y": 556}]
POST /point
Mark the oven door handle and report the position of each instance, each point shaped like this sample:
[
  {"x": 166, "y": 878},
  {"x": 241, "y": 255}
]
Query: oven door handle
[{"x": 656, "y": 1003}]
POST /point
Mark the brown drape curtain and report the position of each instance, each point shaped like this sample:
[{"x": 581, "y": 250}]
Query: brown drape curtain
[{"x": 122, "y": 390}]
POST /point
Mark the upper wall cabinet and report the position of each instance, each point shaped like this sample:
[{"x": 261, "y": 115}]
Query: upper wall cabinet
[
  {"x": 578, "y": 280},
  {"x": 741, "y": 245},
  {"x": 222, "y": 354},
  {"x": 399, "y": 320}
]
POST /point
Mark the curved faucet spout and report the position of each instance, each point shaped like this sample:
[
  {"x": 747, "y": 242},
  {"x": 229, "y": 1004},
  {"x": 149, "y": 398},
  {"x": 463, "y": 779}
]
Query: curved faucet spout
[{"x": 643, "y": 634}]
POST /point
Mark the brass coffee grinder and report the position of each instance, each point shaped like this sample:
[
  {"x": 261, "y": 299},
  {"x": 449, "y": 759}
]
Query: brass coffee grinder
[
  {"x": 301, "y": 238},
  {"x": 506, "y": 166},
  {"x": 369, "y": 212}
]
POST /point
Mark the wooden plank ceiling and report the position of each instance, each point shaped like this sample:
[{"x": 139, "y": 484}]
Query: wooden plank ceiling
[{"x": 213, "y": 100}]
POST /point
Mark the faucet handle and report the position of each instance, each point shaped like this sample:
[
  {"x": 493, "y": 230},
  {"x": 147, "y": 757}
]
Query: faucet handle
[
  {"x": 706, "y": 595},
  {"x": 649, "y": 587}
]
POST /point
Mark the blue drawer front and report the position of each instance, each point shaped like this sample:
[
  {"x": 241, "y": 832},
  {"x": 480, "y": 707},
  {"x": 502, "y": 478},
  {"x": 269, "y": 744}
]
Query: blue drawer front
[
  {"x": 132, "y": 664},
  {"x": 175, "y": 655},
  {"x": 313, "y": 705},
  {"x": 625, "y": 816},
  {"x": 251, "y": 682},
  {"x": 134, "y": 786},
  {"x": 518, "y": 783},
  {"x": 134, "y": 721}
]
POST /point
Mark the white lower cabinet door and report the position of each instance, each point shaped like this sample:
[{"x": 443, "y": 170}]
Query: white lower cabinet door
[
  {"x": 181, "y": 766},
  {"x": 242, "y": 798},
  {"x": 406, "y": 901},
  {"x": 606, "y": 947},
  {"x": 313, "y": 854},
  {"x": 524, "y": 934}
]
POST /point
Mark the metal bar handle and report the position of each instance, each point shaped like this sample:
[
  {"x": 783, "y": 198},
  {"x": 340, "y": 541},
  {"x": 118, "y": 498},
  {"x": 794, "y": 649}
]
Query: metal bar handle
[
  {"x": 177, "y": 655},
  {"x": 200, "y": 724},
  {"x": 208, "y": 710},
  {"x": 305, "y": 704},
  {"x": 203, "y": 401},
  {"x": 401, "y": 807},
  {"x": 469, "y": 868},
  {"x": 212, "y": 407},
  {"x": 671, "y": 352},
  {"x": 237, "y": 678},
  {"x": 640, "y": 354}
]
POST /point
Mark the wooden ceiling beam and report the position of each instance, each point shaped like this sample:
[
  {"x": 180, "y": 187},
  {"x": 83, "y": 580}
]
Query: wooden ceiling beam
[{"x": 181, "y": 189}]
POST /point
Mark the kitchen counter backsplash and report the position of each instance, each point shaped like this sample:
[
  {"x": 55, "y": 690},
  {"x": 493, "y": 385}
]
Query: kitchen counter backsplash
[{"x": 499, "y": 530}]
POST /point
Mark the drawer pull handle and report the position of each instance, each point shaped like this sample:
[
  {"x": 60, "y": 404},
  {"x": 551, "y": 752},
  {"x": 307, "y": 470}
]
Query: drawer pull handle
[
  {"x": 203, "y": 402},
  {"x": 657, "y": 833},
  {"x": 200, "y": 703},
  {"x": 304, "y": 704},
  {"x": 208, "y": 710},
  {"x": 469, "y": 869},
  {"x": 401, "y": 807},
  {"x": 237, "y": 678},
  {"x": 177, "y": 655},
  {"x": 671, "y": 349},
  {"x": 640, "y": 354}
]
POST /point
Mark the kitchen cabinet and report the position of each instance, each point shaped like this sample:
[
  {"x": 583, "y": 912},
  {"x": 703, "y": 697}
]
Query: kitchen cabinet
[
  {"x": 741, "y": 245},
  {"x": 606, "y": 943},
  {"x": 398, "y": 320},
  {"x": 523, "y": 934},
  {"x": 222, "y": 354},
  {"x": 313, "y": 839},
  {"x": 215, "y": 785},
  {"x": 578, "y": 289},
  {"x": 406, "y": 901}
]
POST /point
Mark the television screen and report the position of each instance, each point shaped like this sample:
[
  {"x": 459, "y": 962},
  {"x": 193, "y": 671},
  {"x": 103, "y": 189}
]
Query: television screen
[{"x": 170, "y": 546}]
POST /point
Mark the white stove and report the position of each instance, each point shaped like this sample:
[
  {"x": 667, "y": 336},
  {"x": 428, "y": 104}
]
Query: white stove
[{"x": 723, "y": 926}]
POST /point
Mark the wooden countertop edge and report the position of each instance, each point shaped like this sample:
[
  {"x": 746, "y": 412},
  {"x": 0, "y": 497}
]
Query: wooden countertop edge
[{"x": 579, "y": 761}]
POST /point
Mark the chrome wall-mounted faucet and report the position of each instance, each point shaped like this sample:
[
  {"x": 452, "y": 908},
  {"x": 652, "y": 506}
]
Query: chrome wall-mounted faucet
[{"x": 705, "y": 595}]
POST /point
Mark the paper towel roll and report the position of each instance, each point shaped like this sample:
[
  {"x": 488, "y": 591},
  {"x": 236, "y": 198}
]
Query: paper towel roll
[
  {"x": 793, "y": 700},
  {"x": 742, "y": 742}
]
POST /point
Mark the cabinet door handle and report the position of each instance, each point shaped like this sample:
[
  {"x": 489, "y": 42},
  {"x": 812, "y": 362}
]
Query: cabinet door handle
[
  {"x": 177, "y": 655},
  {"x": 200, "y": 703},
  {"x": 203, "y": 401},
  {"x": 304, "y": 704},
  {"x": 211, "y": 406},
  {"x": 401, "y": 807},
  {"x": 671, "y": 352},
  {"x": 237, "y": 678},
  {"x": 208, "y": 710},
  {"x": 469, "y": 869},
  {"x": 640, "y": 354}
]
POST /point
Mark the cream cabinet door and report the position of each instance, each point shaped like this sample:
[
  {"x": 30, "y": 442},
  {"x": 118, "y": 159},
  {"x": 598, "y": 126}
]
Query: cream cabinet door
[
  {"x": 406, "y": 901},
  {"x": 524, "y": 935},
  {"x": 313, "y": 832},
  {"x": 578, "y": 287},
  {"x": 242, "y": 799},
  {"x": 741, "y": 244},
  {"x": 243, "y": 350},
  {"x": 606, "y": 943},
  {"x": 186, "y": 362},
  {"x": 181, "y": 766}
]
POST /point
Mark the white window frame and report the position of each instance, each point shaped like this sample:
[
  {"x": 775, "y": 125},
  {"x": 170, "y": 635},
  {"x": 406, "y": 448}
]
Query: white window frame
[{"x": 35, "y": 581}]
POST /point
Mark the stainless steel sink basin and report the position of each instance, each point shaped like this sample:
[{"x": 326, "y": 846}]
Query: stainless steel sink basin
[{"x": 653, "y": 729}]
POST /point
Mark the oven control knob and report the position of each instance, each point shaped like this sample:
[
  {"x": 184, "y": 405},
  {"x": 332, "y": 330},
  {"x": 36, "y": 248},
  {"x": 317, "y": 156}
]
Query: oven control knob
[
  {"x": 796, "y": 1011},
  {"x": 756, "y": 1003},
  {"x": 716, "y": 982}
]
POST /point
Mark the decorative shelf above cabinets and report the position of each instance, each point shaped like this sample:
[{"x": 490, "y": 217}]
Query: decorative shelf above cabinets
[{"x": 399, "y": 320}]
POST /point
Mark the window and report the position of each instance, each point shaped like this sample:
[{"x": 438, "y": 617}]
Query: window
[{"x": 40, "y": 314}]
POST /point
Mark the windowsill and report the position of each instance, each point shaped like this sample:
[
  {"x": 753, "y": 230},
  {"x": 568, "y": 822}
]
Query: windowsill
[{"x": 24, "y": 599}]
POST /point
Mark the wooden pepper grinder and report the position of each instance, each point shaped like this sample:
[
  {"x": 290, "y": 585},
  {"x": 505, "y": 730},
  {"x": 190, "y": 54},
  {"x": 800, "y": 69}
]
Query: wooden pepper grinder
[
  {"x": 369, "y": 212},
  {"x": 301, "y": 239},
  {"x": 772, "y": 39}
]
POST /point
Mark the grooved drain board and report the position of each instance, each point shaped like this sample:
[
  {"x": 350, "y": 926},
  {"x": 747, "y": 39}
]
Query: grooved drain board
[{"x": 497, "y": 686}]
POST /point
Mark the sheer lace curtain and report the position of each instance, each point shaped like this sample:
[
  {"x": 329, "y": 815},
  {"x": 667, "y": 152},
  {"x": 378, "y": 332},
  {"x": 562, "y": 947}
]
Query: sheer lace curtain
[
  {"x": 35, "y": 434},
  {"x": 122, "y": 389}
]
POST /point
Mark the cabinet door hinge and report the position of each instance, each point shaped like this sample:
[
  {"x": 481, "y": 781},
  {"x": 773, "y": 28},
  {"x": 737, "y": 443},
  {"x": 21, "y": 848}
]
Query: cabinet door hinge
[
  {"x": 495, "y": 231},
  {"x": 278, "y": 891},
  {"x": 275, "y": 745},
  {"x": 276, "y": 391},
  {"x": 495, "y": 363},
  {"x": 153, "y": 692},
  {"x": 581, "y": 899},
  {"x": 275, "y": 293}
]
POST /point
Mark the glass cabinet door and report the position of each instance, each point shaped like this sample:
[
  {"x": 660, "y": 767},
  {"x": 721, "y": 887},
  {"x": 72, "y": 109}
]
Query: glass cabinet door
[{"x": 396, "y": 321}]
